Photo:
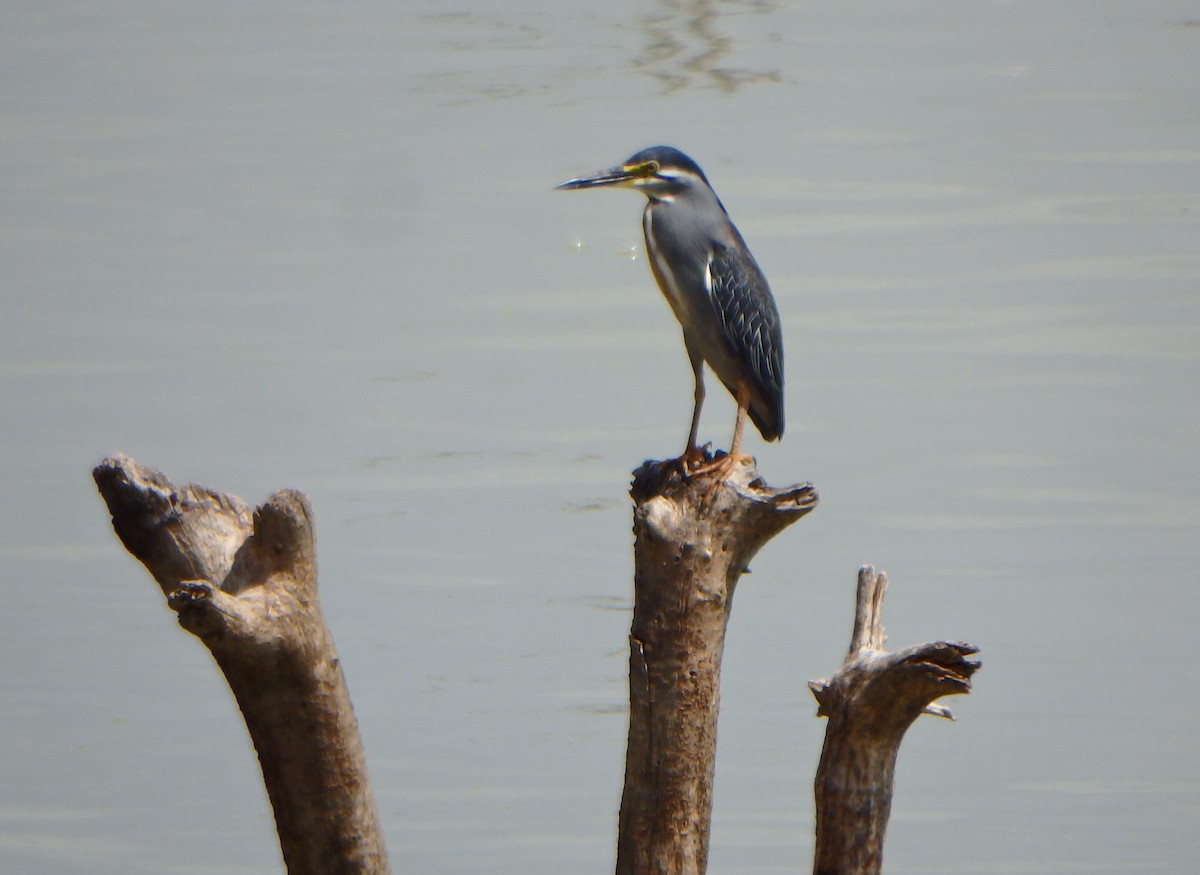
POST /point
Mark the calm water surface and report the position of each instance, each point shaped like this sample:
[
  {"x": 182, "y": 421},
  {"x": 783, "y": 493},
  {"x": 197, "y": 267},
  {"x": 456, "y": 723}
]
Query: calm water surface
[{"x": 316, "y": 246}]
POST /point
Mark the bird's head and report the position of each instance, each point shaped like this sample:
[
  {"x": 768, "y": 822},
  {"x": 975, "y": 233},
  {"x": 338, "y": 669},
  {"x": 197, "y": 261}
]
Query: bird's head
[{"x": 660, "y": 173}]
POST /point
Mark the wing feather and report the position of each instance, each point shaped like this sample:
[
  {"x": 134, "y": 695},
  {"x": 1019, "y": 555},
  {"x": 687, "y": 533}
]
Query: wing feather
[{"x": 742, "y": 299}]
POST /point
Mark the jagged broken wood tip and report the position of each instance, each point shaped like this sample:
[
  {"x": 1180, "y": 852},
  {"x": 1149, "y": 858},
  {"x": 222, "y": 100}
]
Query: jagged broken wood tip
[{"x": 669, "y": 478}]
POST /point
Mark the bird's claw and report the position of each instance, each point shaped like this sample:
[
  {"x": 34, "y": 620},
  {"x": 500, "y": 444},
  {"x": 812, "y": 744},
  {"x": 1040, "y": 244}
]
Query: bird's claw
[
  {"x": 698, "y": 462},
  {"x": 720, "y": 468},
  {"x": 693, "y": 461}
]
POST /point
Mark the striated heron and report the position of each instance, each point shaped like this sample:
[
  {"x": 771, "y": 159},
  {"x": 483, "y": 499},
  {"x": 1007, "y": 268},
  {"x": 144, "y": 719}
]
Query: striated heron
[{"x": 714, "y": 286}]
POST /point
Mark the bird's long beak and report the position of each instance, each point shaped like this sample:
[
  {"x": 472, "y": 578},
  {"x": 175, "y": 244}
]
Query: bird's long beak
[{"x": 615, "y": 176}]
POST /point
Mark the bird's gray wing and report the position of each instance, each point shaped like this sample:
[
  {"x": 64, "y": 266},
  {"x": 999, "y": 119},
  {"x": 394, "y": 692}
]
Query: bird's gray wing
[{"x": 749, "y": 317}]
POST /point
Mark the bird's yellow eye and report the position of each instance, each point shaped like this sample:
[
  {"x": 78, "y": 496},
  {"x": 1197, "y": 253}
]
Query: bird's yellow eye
[{"x": 644, "y": 170}]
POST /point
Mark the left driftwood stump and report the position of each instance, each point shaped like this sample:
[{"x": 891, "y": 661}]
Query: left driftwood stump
[{"x": 245, "y": 583}]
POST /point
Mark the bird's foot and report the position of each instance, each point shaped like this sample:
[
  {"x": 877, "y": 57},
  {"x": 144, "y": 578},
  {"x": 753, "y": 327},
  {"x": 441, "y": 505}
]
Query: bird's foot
[
  {"x": 719, "y": 468},
  {"x": 694, "y": 459}
]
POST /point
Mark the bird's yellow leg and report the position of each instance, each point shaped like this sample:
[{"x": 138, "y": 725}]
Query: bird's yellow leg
[
  {"x": 722, "y": 467},
  {"x": 743, "y": 405},
  {"x": 691, "y": 454}
]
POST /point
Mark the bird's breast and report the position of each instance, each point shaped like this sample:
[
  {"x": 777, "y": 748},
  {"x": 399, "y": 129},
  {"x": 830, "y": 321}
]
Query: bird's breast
[{"x": 668, "y": 281}]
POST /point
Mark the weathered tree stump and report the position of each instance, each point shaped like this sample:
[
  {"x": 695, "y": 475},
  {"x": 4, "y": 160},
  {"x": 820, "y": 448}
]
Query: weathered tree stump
[
  {"x": 871, "y": 701},
  {"x": 245, "y": 583},
  {"x": 694, "y": 538}
]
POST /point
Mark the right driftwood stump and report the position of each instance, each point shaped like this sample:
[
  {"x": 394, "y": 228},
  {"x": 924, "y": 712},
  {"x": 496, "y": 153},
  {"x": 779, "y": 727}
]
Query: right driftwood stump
[{"x": 871, "y": 701}]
